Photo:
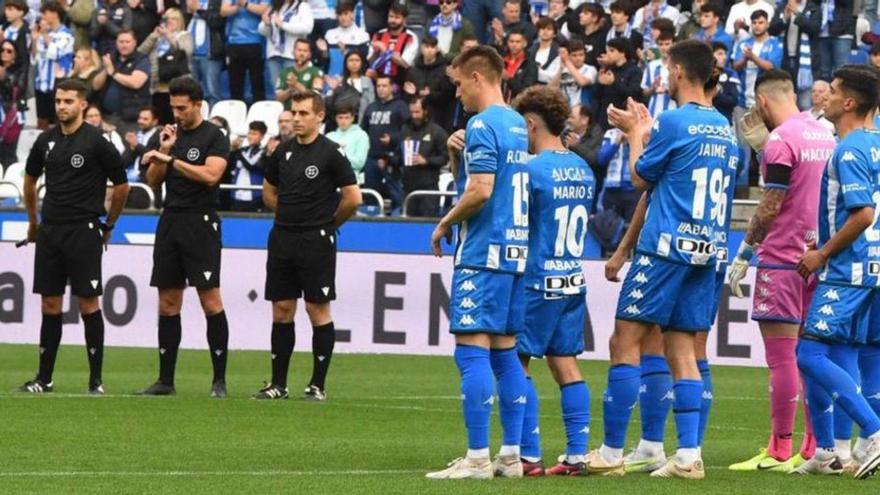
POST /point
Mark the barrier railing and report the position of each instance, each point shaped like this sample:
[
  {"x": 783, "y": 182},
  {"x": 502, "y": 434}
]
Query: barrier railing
[
  {"x": 365, "y": 191},
  {"x": 425, "y": 193}
]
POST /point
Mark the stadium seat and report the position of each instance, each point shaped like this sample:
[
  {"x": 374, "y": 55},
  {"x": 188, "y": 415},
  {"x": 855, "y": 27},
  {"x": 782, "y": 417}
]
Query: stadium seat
[
  {"x": 30, "y": 115},
  {"x": 445, "y": 183},
  {"x": 235, "y": 112},
  {"x": 11, "y": 185},
  {"x": 267, "y": 112},
  {"x": 26, "y": 141},
  {"x": 206, "y": 110}
]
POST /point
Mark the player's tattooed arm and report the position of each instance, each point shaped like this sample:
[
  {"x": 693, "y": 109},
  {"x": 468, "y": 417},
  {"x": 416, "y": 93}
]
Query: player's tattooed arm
[{"x": 765, "y": 215}]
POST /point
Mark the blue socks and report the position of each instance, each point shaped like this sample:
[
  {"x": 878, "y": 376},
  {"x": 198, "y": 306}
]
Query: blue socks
[
  {"x": 815, "y": 363},
  {"x": 686, "y": 409},
  {"x": 618, "y": 402},
  {"x": 821, "y": 413},
  {"x": 869, "y": 364},
  {"x": 576, "y": 416},
  {"x": 477, "y": 393},
  {"x": 706, "y": 404},
  {"x": 530, "y": 445},
  {"x": 512, "y": 389},
  {"x": 847, "y": 358},
  {"x": 655, "y": 396}
]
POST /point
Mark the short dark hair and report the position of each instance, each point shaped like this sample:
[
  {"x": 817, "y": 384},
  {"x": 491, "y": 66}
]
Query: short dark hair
[
  {"x": 482, "y": 59},
  {"x": 345, "y": 107},
  {"x": 774, "y": 76},
  {"x": 711, "y": 8},
  {"x": 73, "y": 84},
  {"x": 53, "y": 6},
  {"x": 586, "y": 109},
  {"x": 719, "y": 45},
  {"x": 621, "y": 6},
  {"x": 622, "y": 45},
  {"x": 860, "y": 82},
  {"x": 384, "y": 76},
  {"x": 759, "y": 14},
  {"x": 517, "y": 2},
  {"x": 186, "y": 86},
  {"x": 315, "y": 98},
  {"x": 467, "y": 37},
  {"x": 665, "y": 36},
  {"x": 150, "y": 109},
  {"x": 126, "y": 31},
  {"x": 545, "y": 22},
  {"x": 593, "y": 8},
  {"x": 302, "y": 40},
  {"x": 398, "y": 8},
  {"x": 18, "y": 4},
  {"x": 576, "y": 45},
  {"x": 695, "y": 57},
  {"x": 714, "y": 79},
  {"x": 429, "y": 40},
  {"x": 259, "y": 126},
  {"x": 343, "y": 7},
  {"x": 548, "y": 104},
  {"x": 663, "y": 24},
  {"x": 519, "y": 32},
  {"x": 420, "y": 101}
]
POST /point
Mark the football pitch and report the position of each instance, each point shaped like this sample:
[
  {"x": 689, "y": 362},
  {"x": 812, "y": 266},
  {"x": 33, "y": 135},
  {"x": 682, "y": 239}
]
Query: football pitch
[{"x": 387, "y": 420}]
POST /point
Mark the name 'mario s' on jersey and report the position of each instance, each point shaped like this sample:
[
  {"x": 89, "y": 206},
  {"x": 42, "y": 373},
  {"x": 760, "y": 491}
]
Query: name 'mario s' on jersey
[
  {"x": 561, "y": 192},
  {"x": 496, "y": 237},
  {"x": 687, "y": 161},
  {"x": 852, "y": 180}
]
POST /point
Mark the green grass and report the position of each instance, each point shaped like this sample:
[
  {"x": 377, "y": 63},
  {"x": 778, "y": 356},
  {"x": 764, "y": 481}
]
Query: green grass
[{"x": 388, "y": 420}]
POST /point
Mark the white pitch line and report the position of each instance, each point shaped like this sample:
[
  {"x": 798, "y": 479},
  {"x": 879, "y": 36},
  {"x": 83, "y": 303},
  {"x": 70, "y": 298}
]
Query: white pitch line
[{"x": 349, "y": 472}]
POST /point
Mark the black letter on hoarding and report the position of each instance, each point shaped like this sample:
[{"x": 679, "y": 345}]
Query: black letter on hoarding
[
  {"x": 12, "y": 290},
  {"x": 726, "y": 316},
  {"x": 438, "y": 299},
  {"x": 383, "y": 303},
  {"x": 589, "y": 340},
  {"x": 120, "y": 282}
]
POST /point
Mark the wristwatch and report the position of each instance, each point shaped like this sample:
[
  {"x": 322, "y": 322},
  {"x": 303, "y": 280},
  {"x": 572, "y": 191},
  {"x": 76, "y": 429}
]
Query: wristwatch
[{"x": 106, "y": 227}]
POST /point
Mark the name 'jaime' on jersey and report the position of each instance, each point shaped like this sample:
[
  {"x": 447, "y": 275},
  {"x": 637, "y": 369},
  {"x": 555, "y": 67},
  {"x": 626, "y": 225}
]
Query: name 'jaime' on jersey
[
  {"x": 496, "y": 237},
  {"x": 562, "y": 189},
  {"x": 686, "y": 161}
]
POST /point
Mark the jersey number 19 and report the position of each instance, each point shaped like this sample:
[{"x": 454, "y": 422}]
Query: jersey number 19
[{"x": 717, "y": 191}]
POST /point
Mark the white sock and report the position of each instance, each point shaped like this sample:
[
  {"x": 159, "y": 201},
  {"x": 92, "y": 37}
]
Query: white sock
[
  {"x": 687, "y": 456},
  {"x": 825, "y": 454},
  {"x": 478, "y": 453},
  {"x": 861, "y": 446},
  {"x": 509, "y": 450},
  {"x": 574, "y": 459},
  {"x": 531, "y": 459},
  {"x": 843, "y": 449},
  {"x": 612, "y": 456},
  {"x": 649, "y": 447}
]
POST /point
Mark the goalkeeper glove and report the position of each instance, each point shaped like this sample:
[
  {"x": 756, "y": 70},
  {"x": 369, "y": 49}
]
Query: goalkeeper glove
[{"x": 739, "y": 267}]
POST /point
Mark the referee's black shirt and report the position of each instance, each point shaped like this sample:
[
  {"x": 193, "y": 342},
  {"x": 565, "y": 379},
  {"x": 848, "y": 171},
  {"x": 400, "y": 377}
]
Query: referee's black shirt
[
  {"x": 193, "y": 146},
  {"x": 77, "y": 167},
  {"x": 307, "y": 177}
]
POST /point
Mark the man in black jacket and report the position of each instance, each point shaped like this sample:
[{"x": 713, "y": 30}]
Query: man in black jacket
[
  {"x": 796, "y": 25},
  {"x": 427, "y": 79},
  {"x": 520, "y": 72},
  {"x": 209, "y": 45},
  {"x": 382, "y": 121},
  {"x": 619, "y": 78},
  {"x": 423, "y": 153}
]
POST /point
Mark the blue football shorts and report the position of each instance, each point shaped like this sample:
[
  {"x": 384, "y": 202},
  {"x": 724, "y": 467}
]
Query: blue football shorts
[
  {"x": 481, "y": 302},
  {"x": 840, "y": 313}
]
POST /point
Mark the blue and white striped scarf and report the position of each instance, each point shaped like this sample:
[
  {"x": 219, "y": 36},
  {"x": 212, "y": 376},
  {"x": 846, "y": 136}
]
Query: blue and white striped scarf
[
  {"x": 454, "y": 22},
  {"x": 805, "y": 66}
]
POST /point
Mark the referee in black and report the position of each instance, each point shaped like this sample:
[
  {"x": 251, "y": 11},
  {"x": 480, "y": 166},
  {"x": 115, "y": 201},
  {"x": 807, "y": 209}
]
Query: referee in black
[
  {"x": 70, "y": 237},
  {"x": 301, "y": 181},
  {"x": 190, "y": 161}
]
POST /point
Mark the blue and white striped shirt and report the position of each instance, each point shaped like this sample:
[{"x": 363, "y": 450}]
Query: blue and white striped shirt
[
  {"x": 660, "y": 101},
  {"x": 201, "y": 34},
  {"x": 54, "y": 59}
]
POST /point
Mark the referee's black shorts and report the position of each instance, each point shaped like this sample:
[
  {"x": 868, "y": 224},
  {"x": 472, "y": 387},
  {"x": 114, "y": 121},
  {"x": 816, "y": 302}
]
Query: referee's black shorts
[
  {"x": 301, "y": 264},
  {"x": 69, "y": 252},
  {"x": 187, "y": 249}
]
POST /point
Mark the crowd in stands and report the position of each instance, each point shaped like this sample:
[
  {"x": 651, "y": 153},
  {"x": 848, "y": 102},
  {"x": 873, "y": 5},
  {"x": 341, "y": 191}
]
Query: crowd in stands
[{"x": 383, "y": 65}]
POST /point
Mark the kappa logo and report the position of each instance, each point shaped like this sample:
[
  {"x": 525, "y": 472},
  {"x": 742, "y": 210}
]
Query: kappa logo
[
  {"x": 874, "y": 397},
  {"x": 193, "y": 154},
  {"x": 827, "y": 310},
  {"x": 520, "y": 400},
  {"x": 287, "y": 155},
  {"x": 632, "y": 309},
  {"x": 774, "y": 137},
  {"x": 643, "y": 389},
  {"x": 585, "y": 431},
  {"x": 707, "y": 395},
  {"x": 764, "y": 292},
  {"x": 636, "y": 294},
  {"x": 831, "y": 295},
  {"x": 311, "y": 172},
  {"x": 467, "y": 303},
  {"x": 77, "y": 161},
  {"x": 821, "y": 325},
  {"x": 478, "y": 124},
  {"x": 644, "y": 261},
  {"x": 670, "y": 395},
  {"x": 641, "y": 278},
  {"x": 207, "y": 275},
  {"x": 466, "y": 320},
  {"x": 848, "y": 157},
  {"x": 762, "y": 308},
  {"x": 536, "y": 431},
  {"x": 467, "y": 286},
  {"x": 830, "y": 409},
  {"x": 766, "y": 278},
  {"x": 490, "y": 401},
  {"x": 468, "y": 271}
]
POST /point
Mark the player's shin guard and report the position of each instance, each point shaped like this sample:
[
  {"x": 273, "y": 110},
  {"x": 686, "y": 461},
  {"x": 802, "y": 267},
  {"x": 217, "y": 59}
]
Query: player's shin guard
[
  {"x": 706, "y": 403},
  {"x": 169, "y": 342},
  {"x": 477, "y": 395},
  {"x": 530, "y": 443},
  {"x": 847, "y": 358},
  {"x": 511, "y": 380},
  {"x": 283, "y": 341},
  {"x": 869, "y": 364},
  {"x": 781, "y": 359},
  {"x": 686, "y": 409},
  {"x": 815, "y": 363},
  {"x": 575, "y": 403},
  {"x": 655, "y": 396},
  {"x": 94, "y": 331},
  {"x": 618, "y": 402},
  {"x": 323, "y": 341},
  {"x": 50, "y": 339},
  {"x": 218, "y": 343}
]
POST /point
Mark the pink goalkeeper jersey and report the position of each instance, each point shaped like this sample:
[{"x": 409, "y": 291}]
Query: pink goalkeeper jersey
[{"x": 805, "y": 145}]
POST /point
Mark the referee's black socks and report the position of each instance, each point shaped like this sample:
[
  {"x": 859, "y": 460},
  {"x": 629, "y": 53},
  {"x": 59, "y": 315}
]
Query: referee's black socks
[
  {"x": 218, "y": 343},
  {"x": 169, "y": 343},
  {"x": 283, "y": 341},
  {"x": 323, "y": 340},
  {"x": 94, "y": 329},
  {"x": 50, "y": 339}
]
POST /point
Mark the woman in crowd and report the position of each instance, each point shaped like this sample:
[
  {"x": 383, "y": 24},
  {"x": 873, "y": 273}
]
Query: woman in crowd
[
  {"x": 13, "y": 89},
  {"x": 170, "y": 49},
  {"x": 94, "y": 117},
  {"x": 282, "y": 25},
  {"x": 86, "y": 65},
  {"x": 354, "y": 89}
]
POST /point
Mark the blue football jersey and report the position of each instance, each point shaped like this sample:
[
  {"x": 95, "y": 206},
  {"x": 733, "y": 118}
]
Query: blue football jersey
[
  {"x": 496, "y": 237},
  {"x": 686, "y": 161},
  {"x": 731, "y": 172},
  {"x": 561, "y": 192},
  {"x": 850, "y": 181}
]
